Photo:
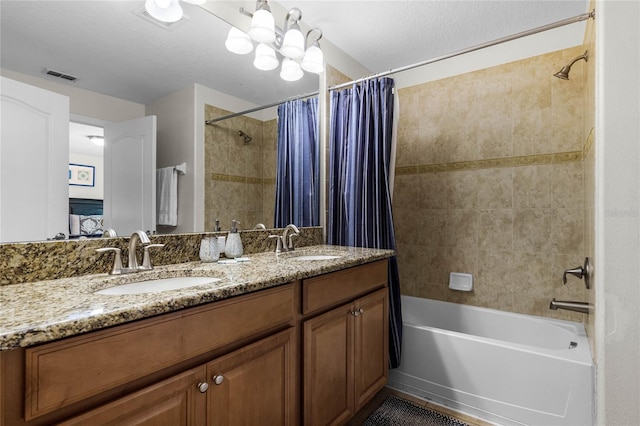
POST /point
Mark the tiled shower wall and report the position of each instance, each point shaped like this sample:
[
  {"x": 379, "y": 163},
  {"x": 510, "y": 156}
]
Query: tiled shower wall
[
  {"x": 489, "y": 181},
  {"x": 239, "y": 176}
]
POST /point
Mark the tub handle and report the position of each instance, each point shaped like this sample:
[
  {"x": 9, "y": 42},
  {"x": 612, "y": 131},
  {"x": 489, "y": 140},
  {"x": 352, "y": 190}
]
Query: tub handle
[{"x": 580, "y": 272}]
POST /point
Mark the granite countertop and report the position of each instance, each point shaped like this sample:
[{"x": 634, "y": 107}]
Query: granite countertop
[{"x": 39, "y": 312}]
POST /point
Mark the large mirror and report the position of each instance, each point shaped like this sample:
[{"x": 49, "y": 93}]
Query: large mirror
[{"x": 140, "y": 67}]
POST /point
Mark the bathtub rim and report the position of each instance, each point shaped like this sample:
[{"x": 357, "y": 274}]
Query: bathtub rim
[{"x": 581, "y": 354}]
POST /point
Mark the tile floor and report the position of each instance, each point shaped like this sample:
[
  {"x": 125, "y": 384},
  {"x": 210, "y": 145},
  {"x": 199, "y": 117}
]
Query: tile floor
[{"x": 377, "y": 400}]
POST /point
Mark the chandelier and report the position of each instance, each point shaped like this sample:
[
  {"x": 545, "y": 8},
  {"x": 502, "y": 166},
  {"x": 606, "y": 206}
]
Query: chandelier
[{"x": 290, "y": 43}]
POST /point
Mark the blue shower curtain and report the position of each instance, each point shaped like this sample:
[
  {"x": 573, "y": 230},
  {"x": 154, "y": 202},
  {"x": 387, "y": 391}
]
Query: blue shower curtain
[
  {"x": 298, "y": 168},
  {"x": 361, "y": 129}
]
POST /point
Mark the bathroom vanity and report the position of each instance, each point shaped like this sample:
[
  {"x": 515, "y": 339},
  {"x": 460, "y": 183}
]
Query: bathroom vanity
[{"x": 276, "y": 340}]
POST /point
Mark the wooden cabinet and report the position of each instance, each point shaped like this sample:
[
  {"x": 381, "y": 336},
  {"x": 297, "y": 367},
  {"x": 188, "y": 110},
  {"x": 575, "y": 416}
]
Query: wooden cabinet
[
  {"x": 148, "y": 372},
  {"x": 312, "y": 352},
  {"x": 250, "y": 386},
  {"x": 345, "y": 352},
  {"x": 328, "y": 367},
  {"x": 177, "y": 401},
  {"x": 254, "y": 385}
]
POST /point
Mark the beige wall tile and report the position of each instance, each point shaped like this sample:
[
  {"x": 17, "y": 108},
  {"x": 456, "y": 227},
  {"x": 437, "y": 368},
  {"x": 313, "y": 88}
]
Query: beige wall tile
[
  {"x": 462, "y": 228},
  {"x": 495, "y": 230},
  {"x": 512, "y": 225},
  {"x": 567, "y": 231},
  {"x": 532, "y": 187},
  {"x": 532, "y": 230},
  {"x": 495, "y": 189}
]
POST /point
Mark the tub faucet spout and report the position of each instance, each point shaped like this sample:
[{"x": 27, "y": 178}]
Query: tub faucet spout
[{"x": 582, "y": 307}]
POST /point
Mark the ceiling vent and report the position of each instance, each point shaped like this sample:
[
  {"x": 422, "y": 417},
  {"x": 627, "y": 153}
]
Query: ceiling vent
[
  {"x": 59, "y": 74},
  {"x": 142, "y": 13}
]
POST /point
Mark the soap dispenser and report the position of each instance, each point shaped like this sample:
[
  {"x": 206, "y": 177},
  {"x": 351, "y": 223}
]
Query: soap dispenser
[{"x": 233, "y": 247}]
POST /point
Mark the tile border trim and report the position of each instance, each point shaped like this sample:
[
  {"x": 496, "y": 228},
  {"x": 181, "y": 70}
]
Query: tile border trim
[
  {"x": 492, "y": 163},
  {"x": 241, "y": 179}
]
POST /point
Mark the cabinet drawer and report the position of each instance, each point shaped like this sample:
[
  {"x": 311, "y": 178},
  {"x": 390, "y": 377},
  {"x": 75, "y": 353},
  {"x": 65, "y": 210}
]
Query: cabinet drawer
[
  {"x": 61, "y": 373},
  {"x": 331, "y": 289}
]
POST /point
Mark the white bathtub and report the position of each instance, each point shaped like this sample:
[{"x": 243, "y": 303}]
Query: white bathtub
[{"x": 506, "y": 368}]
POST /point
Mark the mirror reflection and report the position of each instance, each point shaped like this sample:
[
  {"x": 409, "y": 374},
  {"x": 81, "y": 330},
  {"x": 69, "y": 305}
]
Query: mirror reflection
[{"x": 96, "y": 41}]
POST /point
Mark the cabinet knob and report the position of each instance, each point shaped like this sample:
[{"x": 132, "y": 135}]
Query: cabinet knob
[
  {"x": 357, "y": 312},
  {"x": 203, "y": 386},
  {"x": 218, "y": 379}
]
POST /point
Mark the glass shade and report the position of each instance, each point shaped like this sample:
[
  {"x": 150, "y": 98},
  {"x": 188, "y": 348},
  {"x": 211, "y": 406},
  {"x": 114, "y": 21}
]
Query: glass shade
[
  {"x": 163, "y": 10},
  {"x": 313, "y": 60},
  {"x": 290, "y": 71},
  {"x": 293, "y": 43},
  {"x": 97, "y": 140},
  {"x": 262, "y": 27},
  {"x": 265, "y": 58},
  {"x": 238, "y": 42}
]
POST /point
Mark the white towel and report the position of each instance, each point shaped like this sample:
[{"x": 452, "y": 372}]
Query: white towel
[{"x": 167, "y": 196}]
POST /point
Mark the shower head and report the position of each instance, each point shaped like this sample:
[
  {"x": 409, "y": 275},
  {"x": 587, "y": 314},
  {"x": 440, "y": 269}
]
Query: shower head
[
  {"x": 564, "y": 72},
  {"x": 247, "y": 138}
]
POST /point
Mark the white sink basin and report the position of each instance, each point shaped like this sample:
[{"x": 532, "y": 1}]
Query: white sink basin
[
  {"x": 315, "y": 257},
  {"x": 156, "y": 286}
]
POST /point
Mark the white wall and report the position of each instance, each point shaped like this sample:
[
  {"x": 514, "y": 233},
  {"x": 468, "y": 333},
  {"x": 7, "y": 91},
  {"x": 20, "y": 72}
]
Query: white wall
[
  {"x": 526, "y": 47},
  {"x": 95, "y": 192},
  {"x": 84, "y": 102},
  {"x": 181, "y": 130},
  {"x": 617, "y": 212},
  {"x": 175, "y": 145}
]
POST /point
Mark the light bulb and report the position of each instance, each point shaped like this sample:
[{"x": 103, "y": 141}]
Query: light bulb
[
  {"x": 290, "y": 71},
  {"x": 313, "y": 60},
  {"x": 293, "y": 43},
  {"x": 265, "y": 59},
  {"x": 98, "y": 140},
  {"x": 238, "y": 42},
  {"x": 262, "y": 27},
  {"x": 163, "y": 10}
]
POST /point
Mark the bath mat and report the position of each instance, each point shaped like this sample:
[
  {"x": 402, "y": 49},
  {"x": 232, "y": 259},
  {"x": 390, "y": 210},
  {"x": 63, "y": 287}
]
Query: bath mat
[{"x": 399, "y": 412}]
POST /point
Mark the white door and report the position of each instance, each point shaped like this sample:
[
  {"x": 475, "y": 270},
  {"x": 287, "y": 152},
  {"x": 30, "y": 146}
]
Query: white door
[
  {"x": 130, "y": 175},
  {"x": 34, "y": 162}
]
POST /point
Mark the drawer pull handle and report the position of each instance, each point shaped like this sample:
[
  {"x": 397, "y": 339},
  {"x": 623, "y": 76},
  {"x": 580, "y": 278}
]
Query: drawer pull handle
[
  {"x": 203, "y": 387},
  {"x": 218, "y": 379},
  {"x": 361, "y": 310}
]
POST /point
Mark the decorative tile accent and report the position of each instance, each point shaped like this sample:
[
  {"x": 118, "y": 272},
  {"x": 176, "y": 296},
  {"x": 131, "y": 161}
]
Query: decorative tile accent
[
  {"x": 241, "y": 179},
  {"x": 588, "y": 144},
  {"x": 492, "y": 163}
]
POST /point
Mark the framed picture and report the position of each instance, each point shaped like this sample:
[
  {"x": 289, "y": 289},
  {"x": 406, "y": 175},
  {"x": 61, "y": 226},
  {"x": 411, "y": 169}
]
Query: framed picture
[{"x": 82, "y": 175}]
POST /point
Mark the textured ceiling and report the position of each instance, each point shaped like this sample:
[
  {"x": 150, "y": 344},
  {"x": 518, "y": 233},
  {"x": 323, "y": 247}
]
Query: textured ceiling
[{"x": 113, "y": 51}]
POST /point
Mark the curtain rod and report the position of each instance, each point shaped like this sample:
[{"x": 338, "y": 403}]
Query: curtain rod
[
  {"x": 573, "y": 20},
  {"x": 236, "y": 114},
  {"x": 553, "y": 25}
]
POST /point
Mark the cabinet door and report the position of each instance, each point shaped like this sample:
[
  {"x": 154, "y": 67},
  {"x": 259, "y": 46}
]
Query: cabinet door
[
  {"x": 254, "y": 385},
  {"x": 328, "y": 367},
  {"x": 371, "y": 346},
  {"x": 177, "y": 401}
]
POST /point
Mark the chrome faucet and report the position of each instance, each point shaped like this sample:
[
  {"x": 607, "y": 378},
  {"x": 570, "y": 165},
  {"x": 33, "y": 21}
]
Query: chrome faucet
[
  {"x": 582, "y": 307},
  {"x": 287, "y": 240},
  {"x": 109, "y": 233},
  {"x": 284, "y": 242},
  {"x": 141, "y": 236}
]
